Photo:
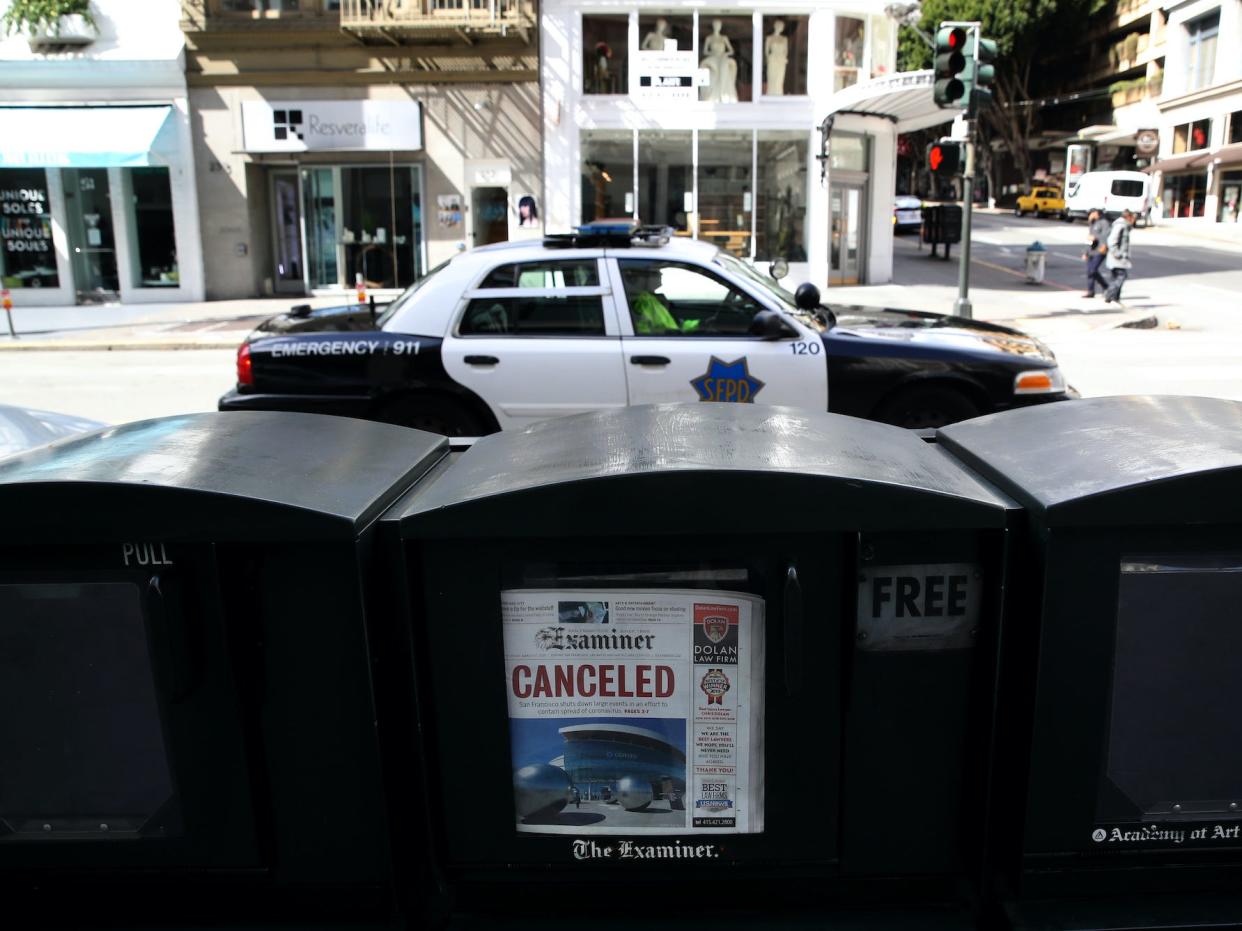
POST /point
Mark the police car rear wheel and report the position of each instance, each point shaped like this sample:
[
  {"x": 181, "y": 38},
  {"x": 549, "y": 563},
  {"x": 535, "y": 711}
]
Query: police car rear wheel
[
  {"x": 926, "y": 407},
  {"x": 433, "y": 415}
]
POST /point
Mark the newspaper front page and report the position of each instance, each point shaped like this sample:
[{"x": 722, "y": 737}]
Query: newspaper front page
[{"x": 635, "y": 712}]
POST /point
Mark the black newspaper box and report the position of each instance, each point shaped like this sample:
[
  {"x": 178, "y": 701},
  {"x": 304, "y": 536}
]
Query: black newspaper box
[
  {"x": 1121, "y": 775},
  {"x": 693, "y": 659},
  {"x": 185, "y": 673}
]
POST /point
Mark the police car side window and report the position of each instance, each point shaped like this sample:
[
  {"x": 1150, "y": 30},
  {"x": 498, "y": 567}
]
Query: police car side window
[
  {"x": 670, "y": 299},
  {"x": 571, "y": 273},
  {"x": 542, "y": 315}
]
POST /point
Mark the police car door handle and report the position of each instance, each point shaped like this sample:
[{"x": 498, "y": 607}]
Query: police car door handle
[
  {"x": 649, "y": 360},
  {"x": 481, "y": 360},
  {"x": 792, "y": 623}
]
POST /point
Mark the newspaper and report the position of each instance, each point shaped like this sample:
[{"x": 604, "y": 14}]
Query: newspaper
[{"x": 635, "y": 712}]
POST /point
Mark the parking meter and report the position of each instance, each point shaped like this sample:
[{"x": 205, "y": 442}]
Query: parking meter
[
  {"x": 1122, "y": 772},
  {"x": 186, "y": 688},
  {"x": 715, "y": 653}
]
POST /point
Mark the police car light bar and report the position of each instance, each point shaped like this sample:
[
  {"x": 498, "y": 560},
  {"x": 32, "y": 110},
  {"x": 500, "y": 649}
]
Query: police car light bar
[{"x": 615, "y": 233}]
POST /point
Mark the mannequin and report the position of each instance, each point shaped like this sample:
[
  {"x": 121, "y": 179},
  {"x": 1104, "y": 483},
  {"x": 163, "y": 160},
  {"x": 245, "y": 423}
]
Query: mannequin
[
  {"x": 776, "y": 55},
  {"x": 654, "y": 41},
  {"x": 719, "y": 61}
]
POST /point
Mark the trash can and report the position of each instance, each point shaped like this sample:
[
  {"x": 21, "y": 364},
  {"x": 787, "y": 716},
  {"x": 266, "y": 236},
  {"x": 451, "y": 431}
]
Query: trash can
[
  {"x": 1036, "y": 261},
  {"x": 663, "y": 648},
  {"x": 187, "y": 693},
  {"x": 1120, "y": 778}
]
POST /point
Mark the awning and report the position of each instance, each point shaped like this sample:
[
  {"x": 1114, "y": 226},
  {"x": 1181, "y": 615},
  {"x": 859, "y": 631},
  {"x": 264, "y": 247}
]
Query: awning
[
  {"x": 82, "y": 137},
  {"x": 904, "y": 98},
  {"x": 1179, "y": 163},
  {"x": 1228, "y": 156}
]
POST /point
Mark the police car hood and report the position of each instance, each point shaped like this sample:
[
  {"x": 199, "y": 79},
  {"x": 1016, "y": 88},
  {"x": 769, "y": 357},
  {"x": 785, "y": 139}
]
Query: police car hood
[
  {"x": 943, "y": 330},
  {"x": 344, "y": 319}
]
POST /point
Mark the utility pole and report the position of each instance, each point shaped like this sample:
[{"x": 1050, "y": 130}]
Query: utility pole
[{"x": 961, "y": 306}]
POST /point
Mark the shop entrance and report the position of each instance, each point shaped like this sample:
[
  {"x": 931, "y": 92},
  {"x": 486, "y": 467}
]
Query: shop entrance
[
  {"x": 286, "y": 233},
  {"x": 88, "y": 208},
  {"x": 845, "y": 248},
  {"x": 490, "y": 206}
]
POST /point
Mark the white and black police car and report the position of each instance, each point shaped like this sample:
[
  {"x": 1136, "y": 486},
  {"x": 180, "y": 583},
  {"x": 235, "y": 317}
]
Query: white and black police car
[{"x": 610, "y": 315}]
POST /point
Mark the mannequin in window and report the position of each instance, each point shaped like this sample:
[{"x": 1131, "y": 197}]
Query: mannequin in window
[
  {"x": 721, "y": 65},
  {"x": 776, "y": 56},
  {"x": 654, "y": 41}
]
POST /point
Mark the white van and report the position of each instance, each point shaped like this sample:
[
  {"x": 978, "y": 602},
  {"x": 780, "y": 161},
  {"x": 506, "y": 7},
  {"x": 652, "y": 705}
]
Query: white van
[{"x": 1111, "y": 192}]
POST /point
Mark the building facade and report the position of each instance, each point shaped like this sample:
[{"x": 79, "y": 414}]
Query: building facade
[
  {"x": 359, "y": 141},
  {"x": 1199, "y": 170},
  {"x": 706, "y": 119},
  {"x": 97, "y": 193}
]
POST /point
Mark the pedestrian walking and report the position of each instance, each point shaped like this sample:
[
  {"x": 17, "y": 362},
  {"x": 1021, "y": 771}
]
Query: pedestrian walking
[
  {"x": 1117, "y": 261},
  {"x": 1098, "y": 230}
]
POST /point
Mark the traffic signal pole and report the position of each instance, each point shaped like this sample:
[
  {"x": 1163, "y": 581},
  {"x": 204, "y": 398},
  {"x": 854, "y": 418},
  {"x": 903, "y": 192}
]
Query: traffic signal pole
[{"x": 962, "y": 306}]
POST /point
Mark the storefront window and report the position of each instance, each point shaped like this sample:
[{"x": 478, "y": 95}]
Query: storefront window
[
  {"x": 726, "y": 194},
  {"x": 607, "y": 173},
  {"x": 883, "y": 45},
  {"x": 319, "y": 193},
  {"x": 848, "y": 152},
  {"x": 784, "y": 55},
  {"x": 1230, "y": 196},
  {"x": 1190, "y": 137},
  {"x": 851, "y": 35},
  {"x": 666, "y": 178},
  {"x": 1184, "y": 195},
  {"x": 665, "y": 32},
  {"x": 780, "y": 207},
  {"x": 726, "y": 46},
  {"x": 153, "y": 246},
  {"x": 27, "y": 258},
  {"x": 605, "y": 49},
  {"x": 379, "y": 210}
]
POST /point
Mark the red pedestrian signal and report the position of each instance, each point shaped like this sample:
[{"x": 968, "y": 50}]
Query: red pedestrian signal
[{"x": 944, "y": 158}]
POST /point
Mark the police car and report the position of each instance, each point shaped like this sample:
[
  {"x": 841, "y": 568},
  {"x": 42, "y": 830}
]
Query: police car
[{"x": 512, "y": 333}]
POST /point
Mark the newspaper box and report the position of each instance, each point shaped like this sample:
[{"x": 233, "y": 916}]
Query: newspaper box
[
  {"x": 1120, "y": 688},
  {"x": 691, "y": 657},
  {"x": 186, "y": 697}
]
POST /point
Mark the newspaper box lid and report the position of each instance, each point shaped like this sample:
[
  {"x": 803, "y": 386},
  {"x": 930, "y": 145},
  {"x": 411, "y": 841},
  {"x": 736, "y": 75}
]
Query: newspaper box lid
[
  {"x": 1115, "y": 461},
  {"x": 237, "y": 475},
  {"x": 687, "y": 467}
]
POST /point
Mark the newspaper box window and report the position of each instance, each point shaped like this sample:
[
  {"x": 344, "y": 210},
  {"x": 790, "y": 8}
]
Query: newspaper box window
[
  {"x": 697, "y": 641},
  {"x": 641, "y": 705},
  {"x": 174, "y": 595},
  {"x": 1122, "y": 689}
]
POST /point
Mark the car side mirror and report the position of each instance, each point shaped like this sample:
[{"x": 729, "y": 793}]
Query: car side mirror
[
  {"x": 778, "y": 269},
  {"x": 769, "y": 325},
  {"x": 807, "y": 296}
]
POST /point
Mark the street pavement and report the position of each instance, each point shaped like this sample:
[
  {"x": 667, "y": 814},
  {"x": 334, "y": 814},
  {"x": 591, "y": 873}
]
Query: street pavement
[{"x": 1185, "y": 283}]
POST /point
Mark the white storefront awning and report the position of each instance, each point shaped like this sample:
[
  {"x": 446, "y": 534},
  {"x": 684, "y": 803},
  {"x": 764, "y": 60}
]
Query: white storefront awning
[
  {"x": 904, "y": 98},
  {"x": 81, "y": 137}
]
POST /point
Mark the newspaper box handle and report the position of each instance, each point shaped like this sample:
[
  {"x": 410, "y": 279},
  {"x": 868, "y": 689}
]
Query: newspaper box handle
[{"x": 793, "y": 631}]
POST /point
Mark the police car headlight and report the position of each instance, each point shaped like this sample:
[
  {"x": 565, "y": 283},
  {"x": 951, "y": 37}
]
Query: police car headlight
[{"x": 1039, "y": 381}]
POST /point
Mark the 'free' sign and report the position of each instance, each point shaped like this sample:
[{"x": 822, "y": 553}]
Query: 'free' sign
[{"x": 927, "y": 606}]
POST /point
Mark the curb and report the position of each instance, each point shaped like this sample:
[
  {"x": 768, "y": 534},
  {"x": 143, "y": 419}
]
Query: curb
[{"x": 120, "y": 345}]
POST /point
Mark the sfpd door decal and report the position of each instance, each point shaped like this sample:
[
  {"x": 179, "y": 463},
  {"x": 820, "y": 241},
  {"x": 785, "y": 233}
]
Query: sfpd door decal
[{"x": 727, "y": 381}]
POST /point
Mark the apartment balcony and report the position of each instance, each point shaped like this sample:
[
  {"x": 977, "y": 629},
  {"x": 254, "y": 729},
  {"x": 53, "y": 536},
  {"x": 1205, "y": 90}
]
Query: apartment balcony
[
  {"x": 405, "y": 20},
  {"x": 1128, "y": 92}
]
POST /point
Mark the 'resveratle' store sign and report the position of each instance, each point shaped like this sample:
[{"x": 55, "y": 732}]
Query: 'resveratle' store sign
[{"x": 340, "y": 125}]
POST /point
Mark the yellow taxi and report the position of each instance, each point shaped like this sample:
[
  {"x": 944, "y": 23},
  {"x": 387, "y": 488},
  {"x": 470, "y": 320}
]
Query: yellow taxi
[{"x": 1041, "y": 200}]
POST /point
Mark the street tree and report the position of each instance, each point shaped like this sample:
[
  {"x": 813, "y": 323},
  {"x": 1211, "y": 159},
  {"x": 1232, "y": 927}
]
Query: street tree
[{"x": 1031, "y": 35}]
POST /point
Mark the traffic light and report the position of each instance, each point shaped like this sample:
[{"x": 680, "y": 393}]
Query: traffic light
[
  {"x": 984, "y": 75},
  {"x": 952, "y": 74},
  {"x": 944, "y": 158}
]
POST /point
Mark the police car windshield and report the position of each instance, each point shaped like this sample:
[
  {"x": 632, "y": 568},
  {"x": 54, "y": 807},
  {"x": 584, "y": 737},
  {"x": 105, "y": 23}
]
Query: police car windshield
[
  {"x": 406, "y": 296},
  {"x": 769, "y": 285}
]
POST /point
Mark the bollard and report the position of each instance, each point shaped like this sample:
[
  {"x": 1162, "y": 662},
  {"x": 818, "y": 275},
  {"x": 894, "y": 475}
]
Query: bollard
[
  {"x": 6, "y": 301},
  {"x": 1036, "y": 261}
]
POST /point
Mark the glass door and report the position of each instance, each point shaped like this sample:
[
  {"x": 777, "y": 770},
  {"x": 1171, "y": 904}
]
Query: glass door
[
  {"x": 287, "y": 233},
  {"x": 491, "y": 214},
  {"x": 88, "y": 208},
  {"x": 845, "y": 234}
]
